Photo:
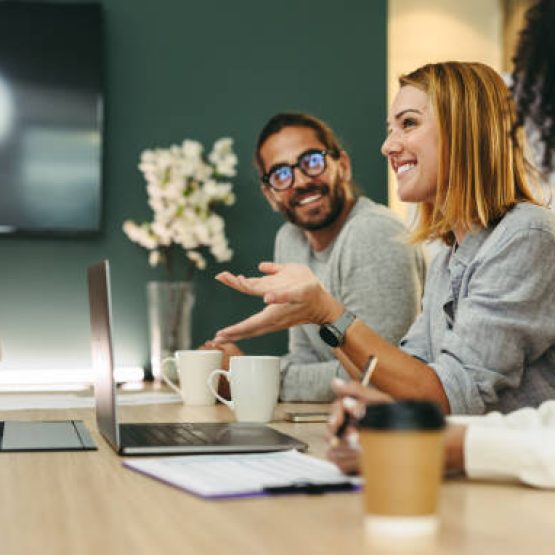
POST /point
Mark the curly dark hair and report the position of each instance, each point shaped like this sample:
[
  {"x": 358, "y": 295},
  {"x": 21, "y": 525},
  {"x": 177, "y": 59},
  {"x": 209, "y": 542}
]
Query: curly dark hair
[{"x": 534, "y": 76}]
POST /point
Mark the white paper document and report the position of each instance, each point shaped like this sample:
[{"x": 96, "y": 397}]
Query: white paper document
[
  {"x": 147, "y": 398},
  {"x": 245, "y": 475},
  {"x": 11, "y": 401}
]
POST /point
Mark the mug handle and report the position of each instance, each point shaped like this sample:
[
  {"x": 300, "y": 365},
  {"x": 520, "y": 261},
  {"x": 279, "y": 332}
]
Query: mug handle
[
  {"x": 210, "y": 383},
  {"x": 165, "y": 378}
]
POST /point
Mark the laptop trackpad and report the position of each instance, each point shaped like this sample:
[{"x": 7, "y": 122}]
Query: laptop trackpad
[{"x": 45, "y": 436}]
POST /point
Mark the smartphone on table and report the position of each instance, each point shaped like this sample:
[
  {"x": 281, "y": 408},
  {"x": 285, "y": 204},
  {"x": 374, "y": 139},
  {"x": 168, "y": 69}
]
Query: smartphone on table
[{"x": 316, "y": 416}]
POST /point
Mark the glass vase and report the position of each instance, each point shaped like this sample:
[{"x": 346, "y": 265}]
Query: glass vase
[{"x": 170, "y": 306}]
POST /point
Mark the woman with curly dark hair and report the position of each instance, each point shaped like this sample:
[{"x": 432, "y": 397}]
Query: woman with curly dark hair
[{"x": 534, "y": 77}]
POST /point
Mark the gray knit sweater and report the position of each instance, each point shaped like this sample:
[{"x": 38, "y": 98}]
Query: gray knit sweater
[{"x": 372, "y": 271}]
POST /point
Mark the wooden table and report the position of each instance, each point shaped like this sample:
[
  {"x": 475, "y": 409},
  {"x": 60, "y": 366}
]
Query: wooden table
[{"x": 86, "y": 502}]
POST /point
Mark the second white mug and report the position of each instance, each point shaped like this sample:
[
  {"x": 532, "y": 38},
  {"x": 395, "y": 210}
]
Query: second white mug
[{"x": 254, "y": 386}]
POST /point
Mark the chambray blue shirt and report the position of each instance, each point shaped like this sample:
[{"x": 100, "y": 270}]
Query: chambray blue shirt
[{"x": 487, "y": 325}]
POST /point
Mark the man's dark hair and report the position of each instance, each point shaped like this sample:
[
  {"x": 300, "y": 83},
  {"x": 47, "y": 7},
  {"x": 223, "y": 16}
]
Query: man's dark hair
[
  {"x": 534, "y": 76},
  {"x": 291, "y": 119}
]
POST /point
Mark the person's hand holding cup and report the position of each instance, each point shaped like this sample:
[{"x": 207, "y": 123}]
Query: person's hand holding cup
[{"x": 352, "y": 398}]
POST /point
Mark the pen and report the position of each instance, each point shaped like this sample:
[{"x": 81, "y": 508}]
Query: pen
[
  {"x": 370, "y": 367},
  {"x": 365, "y": 381},
  {"x": 309, "y": 488}
]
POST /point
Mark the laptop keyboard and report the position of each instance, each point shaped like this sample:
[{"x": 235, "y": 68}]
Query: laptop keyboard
[{"x": 160, "y": 434}]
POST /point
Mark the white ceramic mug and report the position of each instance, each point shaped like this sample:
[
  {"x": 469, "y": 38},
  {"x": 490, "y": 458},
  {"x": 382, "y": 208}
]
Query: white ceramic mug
[
  {"x": 254, "y": 386},
  {"x": 193, "y": 368}
]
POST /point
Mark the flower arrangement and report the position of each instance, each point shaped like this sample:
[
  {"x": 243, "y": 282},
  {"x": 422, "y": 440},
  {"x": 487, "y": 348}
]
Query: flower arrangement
[{"x": 183, "y": 186}]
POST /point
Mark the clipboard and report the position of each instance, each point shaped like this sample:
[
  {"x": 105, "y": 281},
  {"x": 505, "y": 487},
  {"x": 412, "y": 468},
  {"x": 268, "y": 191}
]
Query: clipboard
[{"x": 234, "y": 476}]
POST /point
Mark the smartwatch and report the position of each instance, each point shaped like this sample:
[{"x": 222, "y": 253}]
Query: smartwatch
[{"x": 334, "y": 334}]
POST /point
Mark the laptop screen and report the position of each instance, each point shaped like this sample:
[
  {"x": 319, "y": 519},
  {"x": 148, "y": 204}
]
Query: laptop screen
[{"x": 102, "y": 352}]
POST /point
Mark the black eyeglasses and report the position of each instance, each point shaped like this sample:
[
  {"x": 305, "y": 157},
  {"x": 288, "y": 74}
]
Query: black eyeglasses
[{"x": 312, "y": 163}]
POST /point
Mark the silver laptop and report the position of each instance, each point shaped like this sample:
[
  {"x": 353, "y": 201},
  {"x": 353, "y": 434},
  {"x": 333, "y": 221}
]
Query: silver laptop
[{"x": 167, "y": 438}]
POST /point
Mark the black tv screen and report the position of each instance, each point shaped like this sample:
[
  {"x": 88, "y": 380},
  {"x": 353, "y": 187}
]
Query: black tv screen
[{"x": 50, "y": 118}]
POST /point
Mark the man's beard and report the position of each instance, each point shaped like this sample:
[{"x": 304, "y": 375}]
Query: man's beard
[{"x": 336, "y": 204}]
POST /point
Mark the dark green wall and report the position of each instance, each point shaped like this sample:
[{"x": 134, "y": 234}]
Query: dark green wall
[{"x": 178, "y": 69}]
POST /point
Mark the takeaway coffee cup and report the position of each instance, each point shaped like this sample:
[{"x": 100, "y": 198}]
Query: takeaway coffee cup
[
  {"x": 193, "y": 369},
  {"x": 401, "y": 462},
  {"x": 254, "y": 386}
]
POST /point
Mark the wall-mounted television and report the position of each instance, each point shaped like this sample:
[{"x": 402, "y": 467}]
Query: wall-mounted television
[{"x": 51, "y": 105}]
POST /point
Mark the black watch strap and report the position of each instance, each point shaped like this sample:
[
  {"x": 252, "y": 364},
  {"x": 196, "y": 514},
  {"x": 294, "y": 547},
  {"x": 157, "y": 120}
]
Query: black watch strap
[{"x": 334, "y": 333}]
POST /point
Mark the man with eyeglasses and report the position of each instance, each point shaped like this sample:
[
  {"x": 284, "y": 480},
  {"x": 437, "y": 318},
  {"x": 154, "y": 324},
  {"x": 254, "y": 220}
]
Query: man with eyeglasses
[{"x": 354, "y": 246}]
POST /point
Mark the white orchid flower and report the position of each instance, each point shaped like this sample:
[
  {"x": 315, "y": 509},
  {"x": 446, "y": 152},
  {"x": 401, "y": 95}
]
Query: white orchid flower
[
  {"x": 223, "y": 145},
  {"x": 215, "y": 224},
  {"x": 154, "y": 258},
  {"x": 227, "y": 167},
  {"x": 191, "y": 149},
  {"x": 197, "y": 259}
]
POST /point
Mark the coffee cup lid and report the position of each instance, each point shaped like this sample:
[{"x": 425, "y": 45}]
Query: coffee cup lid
[{"x": 403, "y": 415}]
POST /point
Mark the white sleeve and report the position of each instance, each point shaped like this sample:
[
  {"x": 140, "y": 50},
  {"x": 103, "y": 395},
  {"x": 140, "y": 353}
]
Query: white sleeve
[{"x": 518, "y": 446}]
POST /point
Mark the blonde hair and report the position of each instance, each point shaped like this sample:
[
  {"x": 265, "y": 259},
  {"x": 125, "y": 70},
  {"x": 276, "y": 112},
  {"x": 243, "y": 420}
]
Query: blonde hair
[{"x": 482, "y": 171}]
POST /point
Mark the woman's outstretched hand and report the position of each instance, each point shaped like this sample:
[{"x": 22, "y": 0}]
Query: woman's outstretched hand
[{"x": 294, "y": 296}]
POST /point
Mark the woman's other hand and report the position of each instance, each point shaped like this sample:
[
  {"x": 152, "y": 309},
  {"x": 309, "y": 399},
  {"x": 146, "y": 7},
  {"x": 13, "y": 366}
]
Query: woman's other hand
[{"x": 352, "y": 398}]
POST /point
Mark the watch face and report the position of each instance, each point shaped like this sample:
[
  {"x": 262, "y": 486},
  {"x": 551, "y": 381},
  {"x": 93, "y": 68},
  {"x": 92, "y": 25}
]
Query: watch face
[{"x": 328, "y": 336}]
